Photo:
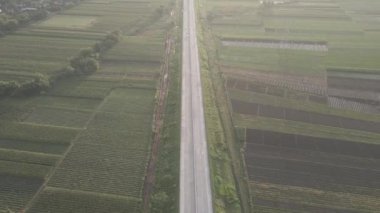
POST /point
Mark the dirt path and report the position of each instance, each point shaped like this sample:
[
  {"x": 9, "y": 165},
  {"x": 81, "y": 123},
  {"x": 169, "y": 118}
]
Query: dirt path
[{"x": 157, "y": 125}]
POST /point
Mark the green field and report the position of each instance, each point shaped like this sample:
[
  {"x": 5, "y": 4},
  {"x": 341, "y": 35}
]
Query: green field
[
  {"x": 278, "y": 71},
  {"x": 83, "y": 145},
  {"x": 68, "y": 22}
]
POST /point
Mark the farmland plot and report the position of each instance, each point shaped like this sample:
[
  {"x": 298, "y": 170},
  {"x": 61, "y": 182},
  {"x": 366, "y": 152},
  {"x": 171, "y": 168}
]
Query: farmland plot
[
  {"x": 302, "y": 81},
  {"x": 278, "y": 44},
  {"x": 113, "y": 151},
  {"x": 58, "y": 117},
  {"x": 84, "y": 144},
  {"x": 277, "y": 159},
  {"x": 303, "y": 116},
  {"x": 61, "y": 200}
]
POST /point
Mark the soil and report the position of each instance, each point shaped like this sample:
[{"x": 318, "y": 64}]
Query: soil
[
  {"x": 318, "y": 99},
  {"x": 313, "y": 155},
  {"x": 354, "y": 84},
  {"x": 244, "y": 107},
  {"x": 272, "y": 111}
]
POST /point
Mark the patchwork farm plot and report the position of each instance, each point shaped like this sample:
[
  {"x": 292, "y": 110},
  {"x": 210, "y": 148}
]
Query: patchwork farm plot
[
  {"x": 83, "y": 145},
  {"x": 302, "y": 83}
]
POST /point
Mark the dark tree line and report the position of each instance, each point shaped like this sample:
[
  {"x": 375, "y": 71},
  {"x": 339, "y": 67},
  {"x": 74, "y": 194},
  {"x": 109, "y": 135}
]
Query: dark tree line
[{"x": 14, "y": 88}]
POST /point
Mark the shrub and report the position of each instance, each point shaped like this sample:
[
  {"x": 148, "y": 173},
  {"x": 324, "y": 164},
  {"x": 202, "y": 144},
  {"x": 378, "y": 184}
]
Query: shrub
[
  {"x": 8, "y": 87},
  {"x": 87, "y": 60}
]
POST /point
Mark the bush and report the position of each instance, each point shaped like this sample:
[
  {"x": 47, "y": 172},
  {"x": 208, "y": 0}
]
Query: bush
[
  {"x": 11, "y": 24},
  {"x": 12, "y": 88},
  {"x": 110, "y": 40},
  {"x": 38, "y": 84},
  {"x": 87, "y": 60},
  {"x": 8, "y": 87}
]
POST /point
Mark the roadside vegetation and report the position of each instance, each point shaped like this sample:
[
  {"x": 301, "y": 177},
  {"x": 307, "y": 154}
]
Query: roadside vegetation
[
  {"x": 225, "y": 190},
  {"x": 166, "y": 188}
]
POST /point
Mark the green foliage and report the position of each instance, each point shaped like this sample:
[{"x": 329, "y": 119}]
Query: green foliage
[
  {"x": 227, "y": 191},
  {"x": 84, "y": 64},
  {"x": 13, "y": 88},
  {"x": 8, "y": 87},
  {"x": 38, "y": 84},
  {"x": 165, "y": 197},
  {"x": 87, "y": 61},
  {"x": 160, "y": 202}
]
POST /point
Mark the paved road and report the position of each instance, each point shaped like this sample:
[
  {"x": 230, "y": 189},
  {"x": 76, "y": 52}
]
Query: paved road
[{"x": 195, "y": 189}]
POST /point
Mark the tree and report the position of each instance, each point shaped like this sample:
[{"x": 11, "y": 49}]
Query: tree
[
  {"x": 90, "y": 65},
  {"x": 8, "y": 87},
  {"x": 11, "y": 25},
  {"x": 86, "y": 62}
]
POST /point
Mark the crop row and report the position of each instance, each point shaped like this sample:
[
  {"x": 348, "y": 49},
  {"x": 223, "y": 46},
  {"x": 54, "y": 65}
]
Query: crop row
[
  {"x": 138, "y": 101},
  {"x": 16, "y": 191},
  {"x": 280, "y": 90},
  {"x": 137, "y": 48},
  {"x": 315, "y": 144},
  {"x": 342, "y": 103},
  {"x": 68, "y": 33},
  {"x": 63, "y": 200},
  {"x": 304, "y": 116},
  {"x": 326, "y": 201},
  {"x": 305, "y": 166},
  {"x": 58, "y": 117},
  {"x": 121, "y": 122},
  {"x": 24, "y": 169},
  {"x": 82, "y": 89},
  {"x": 66, "y": 102},
  {"x": 293, "y": 101},
  {"x": 33, "y": 146},
  {"x": 31, "y": 132},
  {"x": 102, "y": 168},
  {"x": 28, "y": 157},
  {"x": 277, "y": 60}
]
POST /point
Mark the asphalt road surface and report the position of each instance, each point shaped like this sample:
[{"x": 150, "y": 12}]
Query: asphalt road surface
[{"x": 195, "y": 189}]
